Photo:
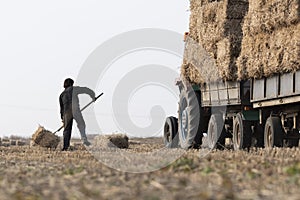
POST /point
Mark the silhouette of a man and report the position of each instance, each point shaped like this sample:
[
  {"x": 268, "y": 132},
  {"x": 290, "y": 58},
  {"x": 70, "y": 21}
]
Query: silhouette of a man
[{"x": 70, "y": 109}]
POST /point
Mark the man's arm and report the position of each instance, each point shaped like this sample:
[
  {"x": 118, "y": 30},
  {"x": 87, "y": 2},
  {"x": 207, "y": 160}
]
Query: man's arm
[
  {"x": 61, "y": 107},
  {"x": 84, "y": 90}
]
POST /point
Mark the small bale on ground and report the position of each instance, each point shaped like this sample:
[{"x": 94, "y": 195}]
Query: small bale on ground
[
  {"x": 13, "y": 142},
  {"x": 20, "y": 143},
  {"x": 112, "y": 141},
  {"x": 44, "y": 138},
  {"x": 5, "y": 139},
  {"x": 5, "y": 144}
]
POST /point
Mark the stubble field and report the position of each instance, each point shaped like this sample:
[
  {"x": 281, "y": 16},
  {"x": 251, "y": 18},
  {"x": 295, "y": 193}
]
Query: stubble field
[{"x": 36, "y": 173}]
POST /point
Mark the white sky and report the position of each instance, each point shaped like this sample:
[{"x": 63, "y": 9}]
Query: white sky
[{"x": 43, "y": 42}]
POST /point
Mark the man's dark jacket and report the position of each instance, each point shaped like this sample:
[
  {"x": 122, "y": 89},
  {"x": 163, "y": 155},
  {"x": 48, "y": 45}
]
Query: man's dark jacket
[{"x": 68, "y": 100}]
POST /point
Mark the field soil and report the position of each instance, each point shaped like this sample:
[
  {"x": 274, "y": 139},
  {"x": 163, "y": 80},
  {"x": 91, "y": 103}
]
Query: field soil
[{"x": 38, "y": 173}]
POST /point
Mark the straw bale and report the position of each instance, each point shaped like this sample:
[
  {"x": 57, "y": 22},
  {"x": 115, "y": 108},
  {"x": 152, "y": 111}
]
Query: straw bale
[
  {"x": 218, "y": 22},
  {"x": 264, "y": 55},
  {"x": 5, "y": 139},
  {"x": 191, "y": 73},
  {"x": 5, "y": 144},
  {"x": 212, "y": 54},
  {"x": 20, "y": 143},
  {"x": 225, "y": 61},
  {"x": 45, "y": 138},
  {"x": 194, "y": 8},
  {"x": 199, "y": 65},
  {"x": 224, "y": 53},
  {"x": 270, "y": 15},
  {"x": 223, "y": 10},
  {"x": 13, "y": 142},
  {"x": 111, "y": 141},
  {"x": 236, "y": 9},
  {"x": 205, "y": 2}
]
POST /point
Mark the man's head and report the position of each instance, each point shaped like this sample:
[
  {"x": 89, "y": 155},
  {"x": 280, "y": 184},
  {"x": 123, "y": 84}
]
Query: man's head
[{"x": 68, "y": 82}]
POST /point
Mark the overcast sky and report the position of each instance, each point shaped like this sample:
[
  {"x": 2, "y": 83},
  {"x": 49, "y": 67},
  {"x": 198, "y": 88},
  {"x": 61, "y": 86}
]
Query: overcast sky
[{"x": 44, "y": 42}]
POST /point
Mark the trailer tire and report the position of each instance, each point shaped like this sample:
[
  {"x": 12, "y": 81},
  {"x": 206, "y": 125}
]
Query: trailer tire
[
  {"x": 293, "y": 142},
  {"x": 216, "y": 132},
  {"x": 259, "y": 135},
  {"x": 242, "y": 133},
  {"x": 273, "y": 135},
  {"x": 171, "y": 132},
  {"x": 189, "y": 120}
]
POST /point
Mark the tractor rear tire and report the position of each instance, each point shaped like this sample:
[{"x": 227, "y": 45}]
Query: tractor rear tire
[{"x": 189, "y": 120}]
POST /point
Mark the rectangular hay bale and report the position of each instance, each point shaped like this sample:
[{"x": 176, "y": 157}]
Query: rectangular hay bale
[
  {"x": 111, "y": 141},
  {"x": 269, "y": 15},
  {"x": 214, "y": 22},
  {"x": 264, "y": 55},
  {"x": 45, "y": 138}
]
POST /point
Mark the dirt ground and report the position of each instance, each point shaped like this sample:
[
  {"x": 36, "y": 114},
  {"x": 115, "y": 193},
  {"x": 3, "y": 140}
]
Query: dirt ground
[{"x": 36, "y": 173}]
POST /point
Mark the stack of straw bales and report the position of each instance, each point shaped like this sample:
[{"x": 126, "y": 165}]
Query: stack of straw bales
[
  {"x": 215, "y": 26},
  {"x": 237, "y": 39},
  {"x": 44, "y": 138},
  {"x": 271, "y": 42}
]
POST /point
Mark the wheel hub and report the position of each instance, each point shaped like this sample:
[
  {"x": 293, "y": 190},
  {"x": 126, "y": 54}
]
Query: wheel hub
[
  {"x": 184, "y": 123},
  {"x": 270, "y": 137},
  {"x": 184, "y": 119},
  {"x": 238, "y": 137}
]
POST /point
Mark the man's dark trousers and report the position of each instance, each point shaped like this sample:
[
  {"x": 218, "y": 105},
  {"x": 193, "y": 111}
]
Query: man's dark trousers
[{"x": 68, "y": 123}]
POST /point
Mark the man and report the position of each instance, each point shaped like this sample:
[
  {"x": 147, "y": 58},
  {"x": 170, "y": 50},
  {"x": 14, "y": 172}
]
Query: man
[{"x": 70, "y": 109}]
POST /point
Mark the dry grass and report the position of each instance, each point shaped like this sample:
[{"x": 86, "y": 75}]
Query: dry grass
[{"x": 39, "y": 173}]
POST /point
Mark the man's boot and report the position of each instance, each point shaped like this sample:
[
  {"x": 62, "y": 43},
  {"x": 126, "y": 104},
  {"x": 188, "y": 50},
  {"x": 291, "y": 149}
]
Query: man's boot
[{"x": 86, "y": 142}]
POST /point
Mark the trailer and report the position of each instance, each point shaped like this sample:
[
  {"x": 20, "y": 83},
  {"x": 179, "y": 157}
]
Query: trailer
[
  {"x": 277, "y": 99},
  {"x": 256, "y": 112}
]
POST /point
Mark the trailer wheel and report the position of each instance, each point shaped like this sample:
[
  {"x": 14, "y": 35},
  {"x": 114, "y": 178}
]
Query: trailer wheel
[
  {"x": 259, "y": 135},
  {"x": 273, "y": 133},
  {"x": 170, "y": 132},
  {"x": 189, "y": 120},
  {"x": 215, "y": 132},
  {"x": 293, "y": 142},
  {"x": 242, "y": 133}
]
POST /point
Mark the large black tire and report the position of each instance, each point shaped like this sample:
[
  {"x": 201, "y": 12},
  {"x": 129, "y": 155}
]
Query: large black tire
[
  {"x": 189, "y": 120},
  {"x": 242, "y": 133},
  {"x": 171, "y": 132},
  {"x": 216, "y": 132},
  {"x": 273, "y": 135}
]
